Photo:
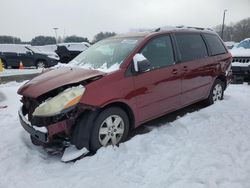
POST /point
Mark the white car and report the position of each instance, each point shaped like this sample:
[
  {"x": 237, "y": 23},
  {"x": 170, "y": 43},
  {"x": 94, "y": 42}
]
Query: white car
[
  {"x": 229, "y": 44},
  {"x": 241, "y": 60}
]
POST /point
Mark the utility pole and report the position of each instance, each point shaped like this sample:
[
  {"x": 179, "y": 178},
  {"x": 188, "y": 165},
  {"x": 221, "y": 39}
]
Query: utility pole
[
  {"x": 223, "y": 23},
  {"x": 55, "y": 28}
]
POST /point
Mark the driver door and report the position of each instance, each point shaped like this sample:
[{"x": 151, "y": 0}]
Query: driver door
[{"x": 158, "y": 90}]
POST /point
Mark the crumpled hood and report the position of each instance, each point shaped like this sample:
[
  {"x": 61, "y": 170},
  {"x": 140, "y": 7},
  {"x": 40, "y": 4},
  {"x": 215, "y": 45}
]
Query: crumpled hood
[
  {"x": 240, "y": 52},
  {"x": 56, "y": 78}
]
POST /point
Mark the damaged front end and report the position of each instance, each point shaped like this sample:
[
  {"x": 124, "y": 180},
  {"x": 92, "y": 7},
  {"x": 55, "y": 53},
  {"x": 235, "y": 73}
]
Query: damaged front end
[{"x": 50, "y": 118}]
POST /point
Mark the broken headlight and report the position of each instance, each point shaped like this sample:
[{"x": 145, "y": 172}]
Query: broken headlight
[{"x": 60, "y": 102}]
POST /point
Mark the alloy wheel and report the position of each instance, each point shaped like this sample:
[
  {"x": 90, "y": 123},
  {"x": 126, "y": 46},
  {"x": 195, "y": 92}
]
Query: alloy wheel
[
  {"x": 111, "y": 130},
  {"x": 40, "y": 65},
  {"x": 217, "y": 92}
]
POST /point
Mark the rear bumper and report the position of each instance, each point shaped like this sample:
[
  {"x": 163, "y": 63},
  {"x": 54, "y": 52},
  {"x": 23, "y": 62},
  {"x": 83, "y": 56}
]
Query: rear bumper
[{"x": 40, "y": 134}]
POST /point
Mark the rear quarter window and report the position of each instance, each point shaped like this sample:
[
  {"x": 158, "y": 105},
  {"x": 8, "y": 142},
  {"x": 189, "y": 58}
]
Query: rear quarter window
[
  {"x": 215, "y": 44},
  {"x": 191, "y": 46}
]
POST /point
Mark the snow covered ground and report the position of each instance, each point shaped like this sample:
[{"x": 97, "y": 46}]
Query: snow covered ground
[
  {"x": 15, "y": 72},
  {"x": 209, "y": 148}
]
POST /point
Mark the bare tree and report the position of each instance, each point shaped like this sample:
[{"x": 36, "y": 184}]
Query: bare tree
[
  {"x": 102, "y": 35},
  {"x": 235, "y": 32}
]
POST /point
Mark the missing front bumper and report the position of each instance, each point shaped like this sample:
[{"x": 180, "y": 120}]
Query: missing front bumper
[{"x": 40, "y": 134}]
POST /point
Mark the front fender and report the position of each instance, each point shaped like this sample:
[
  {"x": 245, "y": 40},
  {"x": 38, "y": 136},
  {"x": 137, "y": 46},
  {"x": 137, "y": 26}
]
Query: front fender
[{"x": 83, "y": 128}]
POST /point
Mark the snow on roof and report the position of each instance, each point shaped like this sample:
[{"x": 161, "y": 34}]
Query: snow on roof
[
  {"x": 229, "y": 43},
  {"x": 75, "y": 46},
  {"x": 16, "y": 48},
  {"x": 171, "y": 28},
  {"x": 47, "y": 48},
  {"x": 246, "y": 39}
]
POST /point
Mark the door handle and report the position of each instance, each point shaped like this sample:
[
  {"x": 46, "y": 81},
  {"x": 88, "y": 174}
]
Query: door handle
[{"x": 174, "y": 71}]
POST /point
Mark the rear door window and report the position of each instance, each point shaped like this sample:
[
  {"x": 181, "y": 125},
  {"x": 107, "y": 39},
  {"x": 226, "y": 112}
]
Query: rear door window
[
  {"x": 215, "y": 44},
  {"x": 191, "y": 46}
]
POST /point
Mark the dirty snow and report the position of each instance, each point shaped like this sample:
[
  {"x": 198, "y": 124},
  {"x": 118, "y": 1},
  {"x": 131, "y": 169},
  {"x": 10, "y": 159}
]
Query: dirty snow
[
  {"x": 206, "y": 148},
  {"x": 15, "y": 72}
]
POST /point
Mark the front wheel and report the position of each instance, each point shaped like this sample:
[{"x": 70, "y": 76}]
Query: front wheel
[
  {"x": 216, "y": 93},
  {"x": 110, "y": 128}
]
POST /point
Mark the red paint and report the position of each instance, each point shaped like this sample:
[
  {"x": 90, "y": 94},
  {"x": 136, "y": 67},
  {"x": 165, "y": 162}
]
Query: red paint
[{"x": 148, "y": 95}]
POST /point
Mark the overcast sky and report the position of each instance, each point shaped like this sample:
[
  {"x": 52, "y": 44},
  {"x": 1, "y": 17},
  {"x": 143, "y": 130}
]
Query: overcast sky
[{"x": 29, "y": 18}]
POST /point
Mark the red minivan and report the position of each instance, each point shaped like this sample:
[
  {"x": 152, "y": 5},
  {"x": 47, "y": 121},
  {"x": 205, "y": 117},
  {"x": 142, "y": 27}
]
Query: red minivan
[{"x": 120, "y": 83}]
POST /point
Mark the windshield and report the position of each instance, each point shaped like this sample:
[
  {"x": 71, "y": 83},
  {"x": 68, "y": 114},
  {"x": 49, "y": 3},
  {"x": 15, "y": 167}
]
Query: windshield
[
  {"x": 106, "y": 55},
  {"x": 244, "y": 44}
]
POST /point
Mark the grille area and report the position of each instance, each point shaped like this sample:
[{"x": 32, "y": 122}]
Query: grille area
[{"x": 241, "y": 59}]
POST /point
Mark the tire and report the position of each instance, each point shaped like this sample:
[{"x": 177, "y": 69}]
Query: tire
[
  {"x": 106, "y": 132},
  {"x": 216, "y": 93},
  {"x": 41, "y": 64}
]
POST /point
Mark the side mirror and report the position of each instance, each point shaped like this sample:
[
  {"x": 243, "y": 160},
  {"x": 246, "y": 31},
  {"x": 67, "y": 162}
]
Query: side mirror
[{"x": 141, "y": 64}]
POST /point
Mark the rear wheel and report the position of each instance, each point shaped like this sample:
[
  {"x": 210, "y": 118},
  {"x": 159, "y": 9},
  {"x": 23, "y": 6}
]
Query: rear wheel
[
  {"x": 110, "y": 128},
  {"x": 216, "y": 93}
]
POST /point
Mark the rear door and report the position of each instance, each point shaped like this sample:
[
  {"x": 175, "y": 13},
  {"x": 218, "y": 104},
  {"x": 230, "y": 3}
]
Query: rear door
[
  {"x": 196, "y": 67},
  {"x": 158, "y": 90},
  {"x": 217, "y": 50}
]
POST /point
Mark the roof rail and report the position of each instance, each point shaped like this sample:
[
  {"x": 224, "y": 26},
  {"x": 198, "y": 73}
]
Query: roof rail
[
  {"x": 166, "y": 28},
  {"x": 198, "y": 28}
]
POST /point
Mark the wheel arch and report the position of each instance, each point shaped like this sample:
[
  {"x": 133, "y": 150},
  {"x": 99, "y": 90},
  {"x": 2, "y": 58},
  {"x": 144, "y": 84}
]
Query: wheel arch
[
  {"x": 127, "y": 110},
  {"x": 223, "y": 79},
  {"x": 81, "y": 134}
]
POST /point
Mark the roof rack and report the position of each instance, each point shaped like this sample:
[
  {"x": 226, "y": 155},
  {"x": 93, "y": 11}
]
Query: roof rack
[{"x": 182, "y": 27}]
